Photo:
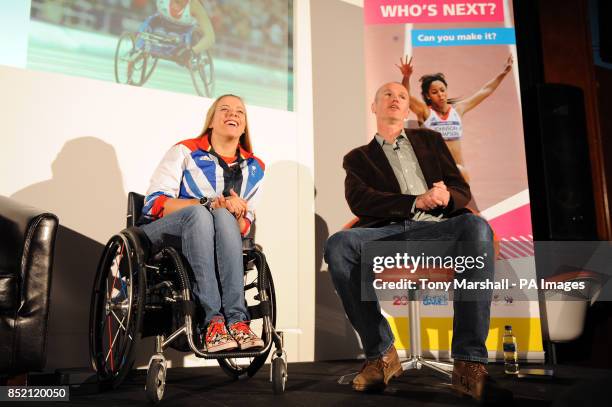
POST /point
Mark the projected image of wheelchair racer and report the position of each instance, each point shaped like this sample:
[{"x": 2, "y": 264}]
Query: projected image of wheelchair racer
[{"x": 179, "y": 16}]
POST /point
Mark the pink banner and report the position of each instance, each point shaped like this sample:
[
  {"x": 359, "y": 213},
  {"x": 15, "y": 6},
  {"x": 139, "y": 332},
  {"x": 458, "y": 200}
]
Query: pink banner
[{"x": 432, "y": 11}]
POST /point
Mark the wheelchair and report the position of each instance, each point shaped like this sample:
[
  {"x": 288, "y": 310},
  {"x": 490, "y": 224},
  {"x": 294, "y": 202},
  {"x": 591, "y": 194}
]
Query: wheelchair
[
  {"x": 142, "y": 291},
  {"x": 137, "y": 54}
]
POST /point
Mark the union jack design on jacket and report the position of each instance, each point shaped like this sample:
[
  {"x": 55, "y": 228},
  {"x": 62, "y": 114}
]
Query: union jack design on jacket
[{"x": 191, "y": 169}]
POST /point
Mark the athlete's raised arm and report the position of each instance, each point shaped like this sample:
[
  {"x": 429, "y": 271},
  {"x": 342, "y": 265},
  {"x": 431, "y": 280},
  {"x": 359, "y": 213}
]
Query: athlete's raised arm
[
  {"x": 208, "y": 33},
  {"x": 417, "y": 106},
  {"x": 487, "y": 89}
]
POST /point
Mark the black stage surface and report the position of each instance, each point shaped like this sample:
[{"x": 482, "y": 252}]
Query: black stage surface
[{"x": 315, "y": 384}]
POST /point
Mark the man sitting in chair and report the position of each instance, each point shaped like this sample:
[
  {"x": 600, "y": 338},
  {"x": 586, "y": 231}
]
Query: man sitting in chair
[{"x": 404, "y": 185}]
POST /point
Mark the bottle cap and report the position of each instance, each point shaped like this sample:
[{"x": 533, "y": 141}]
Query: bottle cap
[{"x": 508, "y": 327}]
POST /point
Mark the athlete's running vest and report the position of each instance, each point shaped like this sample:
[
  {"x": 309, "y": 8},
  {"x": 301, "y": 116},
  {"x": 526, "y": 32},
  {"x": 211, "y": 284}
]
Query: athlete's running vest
[
  {"x": 450, "y": 128},
  {"x": 185, "y": 17}
]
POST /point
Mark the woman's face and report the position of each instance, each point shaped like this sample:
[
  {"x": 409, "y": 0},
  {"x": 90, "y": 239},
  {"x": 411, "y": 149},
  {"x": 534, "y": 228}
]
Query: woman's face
[
  {"x": 229, "y": 118},
  {"x": 437, "y": 94},
  {"x": 177, "y": 7}
]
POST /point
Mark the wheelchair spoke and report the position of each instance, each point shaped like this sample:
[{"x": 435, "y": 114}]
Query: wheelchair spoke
[
  {"x": 110, "y": 347},
  {"x": 118, "y": 302},
  {"x": 115, "y": 272},
  {"x": 121, "y": 324}
]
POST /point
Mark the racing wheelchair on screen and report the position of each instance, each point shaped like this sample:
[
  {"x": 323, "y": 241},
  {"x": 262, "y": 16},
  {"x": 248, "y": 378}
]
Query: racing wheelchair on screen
[
  {"x": 137, "y": 54},
  {"x": 142, "y": 291}
]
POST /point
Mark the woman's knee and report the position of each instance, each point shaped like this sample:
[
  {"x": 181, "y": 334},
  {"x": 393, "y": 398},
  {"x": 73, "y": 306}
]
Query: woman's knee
[
  {"x": 197, "y": 216},
  {"x": 222, "y": 214},
  {"x": 225, "y": 220}
]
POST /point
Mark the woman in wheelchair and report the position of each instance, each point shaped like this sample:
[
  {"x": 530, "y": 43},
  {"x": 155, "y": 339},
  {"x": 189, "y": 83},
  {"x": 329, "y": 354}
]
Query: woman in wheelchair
[{"x": 204, "y": 191}]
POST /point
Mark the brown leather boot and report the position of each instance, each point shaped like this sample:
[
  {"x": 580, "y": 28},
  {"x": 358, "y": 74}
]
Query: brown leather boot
[
  {"x": 470, "y": 378},
  {"x": 376, "y": 374}
]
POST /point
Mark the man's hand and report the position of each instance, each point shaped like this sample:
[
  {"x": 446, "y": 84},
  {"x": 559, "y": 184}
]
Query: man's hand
[{"x": 438, "y": 195}]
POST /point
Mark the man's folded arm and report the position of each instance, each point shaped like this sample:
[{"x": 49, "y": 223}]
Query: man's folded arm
[{"x": 365, "y": 200}]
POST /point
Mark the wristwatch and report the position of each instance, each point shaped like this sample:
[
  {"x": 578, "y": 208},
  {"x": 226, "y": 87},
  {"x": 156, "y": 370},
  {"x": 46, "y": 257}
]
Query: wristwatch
[{"x": 206, "y": 202}]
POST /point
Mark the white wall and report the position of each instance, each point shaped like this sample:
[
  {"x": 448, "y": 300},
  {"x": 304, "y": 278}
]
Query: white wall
[{"x": 339, "y": 124}]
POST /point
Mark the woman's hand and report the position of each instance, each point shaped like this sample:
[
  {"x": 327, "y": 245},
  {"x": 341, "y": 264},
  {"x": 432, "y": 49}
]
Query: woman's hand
[
  {"x": 487, "y": 89},
  {"x": 236, "y": 205},
  {"x": 233, "y": 203},
  {"x": 405, "y": 66},
  {"x": 508, "y": 65},
  {"x": 218, "y": 202}
]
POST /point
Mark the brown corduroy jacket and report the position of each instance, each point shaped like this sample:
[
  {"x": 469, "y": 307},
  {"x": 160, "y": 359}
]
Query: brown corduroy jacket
[{"x": 373, "y": 193}]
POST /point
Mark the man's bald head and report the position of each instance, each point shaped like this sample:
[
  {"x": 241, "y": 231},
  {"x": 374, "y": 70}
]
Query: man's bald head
[
  {"x": 387, "y": 85},
  {"x": 391, "y": 102}
]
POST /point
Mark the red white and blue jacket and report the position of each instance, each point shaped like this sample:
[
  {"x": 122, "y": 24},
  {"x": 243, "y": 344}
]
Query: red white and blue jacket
[{"x": 191, "y": 169}]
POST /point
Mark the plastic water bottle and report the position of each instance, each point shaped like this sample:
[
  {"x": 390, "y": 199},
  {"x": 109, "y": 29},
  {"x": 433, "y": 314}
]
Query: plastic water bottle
[{"x": 510, "y": 352}]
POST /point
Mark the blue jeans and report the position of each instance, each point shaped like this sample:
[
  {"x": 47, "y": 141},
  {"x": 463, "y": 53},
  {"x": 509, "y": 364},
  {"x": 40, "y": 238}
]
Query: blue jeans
[
  {"x": 206, "y": 235},
  {"x": 471, "y": 320}
]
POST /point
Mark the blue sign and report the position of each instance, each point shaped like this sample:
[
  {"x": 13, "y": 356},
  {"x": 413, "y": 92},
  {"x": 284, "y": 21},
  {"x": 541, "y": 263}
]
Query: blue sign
[{"x": 463, "y": 36}]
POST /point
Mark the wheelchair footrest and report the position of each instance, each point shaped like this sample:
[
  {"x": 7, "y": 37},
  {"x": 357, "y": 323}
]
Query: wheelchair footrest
[
  {"x": 234, "y": 354},
  {"x": 260, "y": 310}
]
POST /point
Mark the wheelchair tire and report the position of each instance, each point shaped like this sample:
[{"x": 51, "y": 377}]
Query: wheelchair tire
[
  {"x": 232, "y": 367},
  {"x": 130, "y": 63},
  {"x": 116, "y": 310},
  {"x": 203, "y": 75},
  {"x": 156, "y": 381},
  {"x": 279, "y": 375}
]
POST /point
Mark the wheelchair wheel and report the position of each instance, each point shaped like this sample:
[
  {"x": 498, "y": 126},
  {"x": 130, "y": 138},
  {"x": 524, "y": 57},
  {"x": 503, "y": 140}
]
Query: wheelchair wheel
[
  {"x": 237, "y": 368},
  {"x": 202, "y": 71},
  {"x": 279, "y": 375},
  {"x": 130, "y": 63},
  {"x": 156, "y": 380},
  {"x": 116, "y": 310}
]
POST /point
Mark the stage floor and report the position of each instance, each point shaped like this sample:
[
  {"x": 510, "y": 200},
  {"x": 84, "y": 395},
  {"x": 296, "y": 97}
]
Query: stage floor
[{"x": 315, "y": 384}]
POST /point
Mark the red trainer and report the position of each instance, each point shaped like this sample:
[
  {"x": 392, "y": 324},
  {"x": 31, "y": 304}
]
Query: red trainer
[
  {"x": 244, "y": 336},
  {"x": 217, "y": 338}
]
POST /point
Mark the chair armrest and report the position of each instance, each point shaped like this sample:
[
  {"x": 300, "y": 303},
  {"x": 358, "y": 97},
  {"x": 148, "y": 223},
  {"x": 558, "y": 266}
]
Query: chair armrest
[{"x": 26, "y": 262}]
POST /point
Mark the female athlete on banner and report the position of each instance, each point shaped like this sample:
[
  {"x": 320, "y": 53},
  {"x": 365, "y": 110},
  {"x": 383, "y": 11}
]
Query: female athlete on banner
[{"x": 438, "y": 112}]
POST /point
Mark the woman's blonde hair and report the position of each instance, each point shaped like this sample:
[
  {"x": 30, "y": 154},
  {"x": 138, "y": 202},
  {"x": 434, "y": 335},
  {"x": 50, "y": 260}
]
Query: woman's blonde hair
[{"x": 245, "y": 139}]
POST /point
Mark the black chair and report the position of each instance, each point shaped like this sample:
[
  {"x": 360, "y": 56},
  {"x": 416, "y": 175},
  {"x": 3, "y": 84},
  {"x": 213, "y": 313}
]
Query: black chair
[
  {"x": 26, "y": 262},
  {"x": 141, "y": 291}
]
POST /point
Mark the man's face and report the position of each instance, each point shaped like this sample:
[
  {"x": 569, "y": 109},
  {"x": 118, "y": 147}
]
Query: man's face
[{"x": 391, "y": 102}]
